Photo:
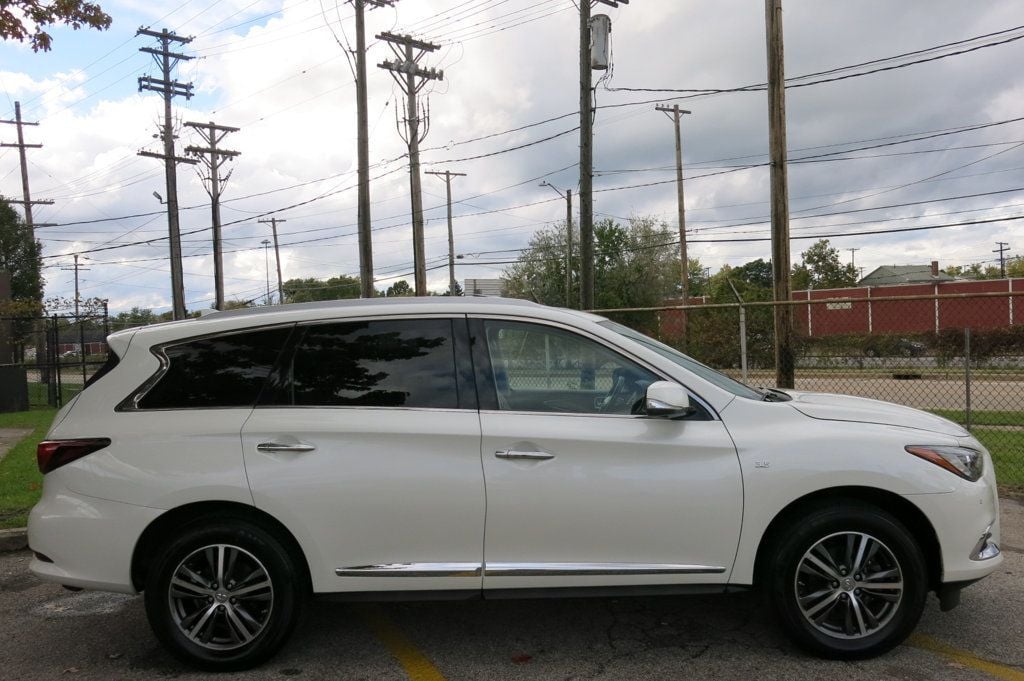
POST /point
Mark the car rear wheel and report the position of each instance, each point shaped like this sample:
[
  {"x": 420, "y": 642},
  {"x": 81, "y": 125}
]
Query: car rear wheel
[
  {"x": 849, "y": 581},
  {"x": 224, "y": 597}
]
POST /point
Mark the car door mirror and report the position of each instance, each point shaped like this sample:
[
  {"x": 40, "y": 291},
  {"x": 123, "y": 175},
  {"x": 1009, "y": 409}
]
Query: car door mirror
[{"x": 667, "y": 399}]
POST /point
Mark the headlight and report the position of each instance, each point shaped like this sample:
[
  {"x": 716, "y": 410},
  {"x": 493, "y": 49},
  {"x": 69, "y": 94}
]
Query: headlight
[{"x": 969, "y": 464}]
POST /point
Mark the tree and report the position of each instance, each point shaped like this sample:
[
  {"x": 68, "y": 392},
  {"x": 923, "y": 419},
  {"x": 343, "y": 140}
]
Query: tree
[
  {"x": 399, "y": 288},
  {"x": 636, "y": 265},
  {"x": 309, "y": 290},
  {"x": 458, "y": 290},
  {"x": 821, "y": 268},
  {"x": 21, "y": 19},
  {"x": 21, "y": 255}
]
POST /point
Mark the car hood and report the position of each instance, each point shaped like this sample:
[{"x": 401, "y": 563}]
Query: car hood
[{"x": 830, "y": 407}]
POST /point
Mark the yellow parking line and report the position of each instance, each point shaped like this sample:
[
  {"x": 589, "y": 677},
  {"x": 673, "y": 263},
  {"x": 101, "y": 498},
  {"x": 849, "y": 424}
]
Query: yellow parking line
[
  {"x": 965, "y": 658},
  {"x": 416, "y": 665}
]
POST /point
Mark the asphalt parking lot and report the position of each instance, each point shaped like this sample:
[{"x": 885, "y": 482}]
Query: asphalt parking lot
[{"x": 49, "y": 633}]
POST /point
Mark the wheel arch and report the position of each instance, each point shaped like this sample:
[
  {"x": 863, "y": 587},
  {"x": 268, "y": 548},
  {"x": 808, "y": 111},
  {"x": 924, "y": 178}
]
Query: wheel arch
[
  {"x": 903, "y": 510},
  {"x": 174, "y": 521}
]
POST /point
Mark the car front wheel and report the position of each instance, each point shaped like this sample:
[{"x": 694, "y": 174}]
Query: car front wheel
[
  {"x": 224, "y": 597},
  {"x": 849, "y": 581}
]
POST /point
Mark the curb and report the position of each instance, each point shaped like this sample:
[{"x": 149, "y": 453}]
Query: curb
[{"x": 13, "y": 540}]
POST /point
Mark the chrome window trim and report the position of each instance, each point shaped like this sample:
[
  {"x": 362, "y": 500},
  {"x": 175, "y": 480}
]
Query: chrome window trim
[
  {"x": 411, "y": 570},
  {"x": 600, "y": 341}
]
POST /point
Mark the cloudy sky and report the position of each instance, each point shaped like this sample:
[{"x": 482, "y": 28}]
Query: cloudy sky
[{"x": 870, "y": 152}]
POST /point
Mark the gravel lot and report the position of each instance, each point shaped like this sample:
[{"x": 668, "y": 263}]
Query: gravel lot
[{"x": 49, "y": 633}]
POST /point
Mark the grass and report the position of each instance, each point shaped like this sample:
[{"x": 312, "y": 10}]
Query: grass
[
  {"x": 983, "y": 418},
  {"x": 37, "y": 393},
  {"x": 1007, "y": 449},
  {"x": 21, "y": 483}
]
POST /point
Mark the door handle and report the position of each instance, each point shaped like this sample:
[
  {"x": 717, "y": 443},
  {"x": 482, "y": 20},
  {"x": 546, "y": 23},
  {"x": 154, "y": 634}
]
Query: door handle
[
  {"x": 284, "y": 447},
  {"x": 519, "y": 455}
]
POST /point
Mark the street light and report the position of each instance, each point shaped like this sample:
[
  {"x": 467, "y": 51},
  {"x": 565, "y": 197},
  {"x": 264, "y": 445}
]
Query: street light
[
  {"x": 266, "y": 259},
  {"x": 567, "y": 195}
]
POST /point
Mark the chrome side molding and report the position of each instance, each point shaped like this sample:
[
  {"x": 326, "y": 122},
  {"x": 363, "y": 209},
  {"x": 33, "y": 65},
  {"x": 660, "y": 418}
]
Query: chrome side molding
[
  {"x": 595, "y": 569},
  {"x": 411, "y": 570}
]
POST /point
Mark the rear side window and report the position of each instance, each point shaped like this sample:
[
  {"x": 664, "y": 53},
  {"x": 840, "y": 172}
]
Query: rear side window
[
  {"x": 388, "y": 363},
  {"x": 221, "y": 371}
]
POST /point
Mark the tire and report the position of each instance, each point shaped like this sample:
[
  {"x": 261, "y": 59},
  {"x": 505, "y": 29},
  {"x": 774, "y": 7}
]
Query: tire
[
  {"x": 834, "y": 607},
  {"x": 224, "y": 626}
]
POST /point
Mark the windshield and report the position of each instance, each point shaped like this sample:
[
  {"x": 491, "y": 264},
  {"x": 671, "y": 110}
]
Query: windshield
[{"x": 688, "y": 363}]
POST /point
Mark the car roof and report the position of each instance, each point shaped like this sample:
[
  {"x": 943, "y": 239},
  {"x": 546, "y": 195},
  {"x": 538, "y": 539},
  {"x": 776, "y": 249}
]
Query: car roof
[{"x": 268, "y": 315}]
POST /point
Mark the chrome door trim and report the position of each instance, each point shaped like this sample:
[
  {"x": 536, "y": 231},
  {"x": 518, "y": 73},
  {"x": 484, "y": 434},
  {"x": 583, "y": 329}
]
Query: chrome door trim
[
  {"x": 411, "y": 570},
  {"x": 595, "y": 569}
]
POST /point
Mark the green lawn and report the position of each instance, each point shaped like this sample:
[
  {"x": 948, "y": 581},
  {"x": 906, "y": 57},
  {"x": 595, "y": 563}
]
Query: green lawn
[
  {"x": 37, "y": 393},
  {"x": 983, "y": 418},
  {"x": 20, "y": 480},
  {"x": 1007, "y": 449}
]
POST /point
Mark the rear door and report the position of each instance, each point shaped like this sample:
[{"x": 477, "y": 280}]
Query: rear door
[{"x": 367, "y": 446}]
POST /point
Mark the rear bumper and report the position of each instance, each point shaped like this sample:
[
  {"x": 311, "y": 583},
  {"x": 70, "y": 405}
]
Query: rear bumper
[{"x": 90, "y": 541}]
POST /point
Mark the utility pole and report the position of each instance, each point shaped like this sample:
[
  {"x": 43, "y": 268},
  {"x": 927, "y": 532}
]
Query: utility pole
[
  {"x": 587, "y": 154},
  {"x": 406, "y": 71},
  {"x": 277, "y": 258},
  {"x": 784, "y": 369},
  {"x": 166, "y": 61},
  {"x": 212, "y": 135},
  {"x": 363, "y": 151},
  {"x": 266, "y": 261},
  {"x": 448, "y": 175},
  {"x": 568, "y": 240},
  {"x": 853, "y": 261},
  {"x": 77, "y": 267},
  {"x": 26, "y": 201},
  {"x": 30, "y": 225},
  {"x": 676, "y": 114},
  {"x": 1003, "y": 247}
]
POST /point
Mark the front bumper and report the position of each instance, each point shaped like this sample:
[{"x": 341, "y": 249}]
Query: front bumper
[{"x": 90, "y": 541}]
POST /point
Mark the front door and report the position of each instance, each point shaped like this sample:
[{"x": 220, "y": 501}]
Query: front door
[{"x": 582, "y": 490}]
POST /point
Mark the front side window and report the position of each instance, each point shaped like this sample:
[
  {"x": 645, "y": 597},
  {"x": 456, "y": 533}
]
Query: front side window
[
  {"x": 388, "y": 363},
  {"x": 220, "y": 371},
  {"x": 544, "y": 369}
]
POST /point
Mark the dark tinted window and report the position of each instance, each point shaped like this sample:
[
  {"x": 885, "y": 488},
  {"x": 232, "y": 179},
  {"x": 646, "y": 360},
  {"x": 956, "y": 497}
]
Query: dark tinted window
[
  {"x": 223, "y": 371},
  {"x": 399, "y": 363}
]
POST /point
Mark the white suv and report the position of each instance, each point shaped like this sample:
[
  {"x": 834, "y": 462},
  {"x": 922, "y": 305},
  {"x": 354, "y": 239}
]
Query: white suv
[{"x": 232, "y": 465}]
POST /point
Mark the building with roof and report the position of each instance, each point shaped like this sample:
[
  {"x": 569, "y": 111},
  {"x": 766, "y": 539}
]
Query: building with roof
[{"x": 897, "y": 275}]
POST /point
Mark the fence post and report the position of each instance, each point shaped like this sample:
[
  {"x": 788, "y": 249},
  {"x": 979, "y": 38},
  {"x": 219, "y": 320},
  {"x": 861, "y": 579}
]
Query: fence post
[
  {"x": 743, "y": 343},
  {"x": 967, "y": 375},
  {"x": 50, "y": 332}
]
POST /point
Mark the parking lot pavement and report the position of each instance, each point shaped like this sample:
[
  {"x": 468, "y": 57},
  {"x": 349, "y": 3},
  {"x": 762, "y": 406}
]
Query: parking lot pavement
[{"x": 48, "y": 633}]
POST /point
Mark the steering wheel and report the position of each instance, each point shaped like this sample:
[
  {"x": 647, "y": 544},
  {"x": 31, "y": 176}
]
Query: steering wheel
[{"x": 622, "y": 397}]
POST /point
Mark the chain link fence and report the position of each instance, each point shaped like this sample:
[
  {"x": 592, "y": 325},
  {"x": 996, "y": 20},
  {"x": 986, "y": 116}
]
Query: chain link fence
[
  {"x": 45, "y": 361},
  {"x": 959, "y": 356}
]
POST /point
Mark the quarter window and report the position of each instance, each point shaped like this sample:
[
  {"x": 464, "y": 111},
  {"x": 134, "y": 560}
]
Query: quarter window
[
  {"x": 221, "y": 371},
  {"x": 540, "y": 368},
  {"x": 393, "y": 363}
]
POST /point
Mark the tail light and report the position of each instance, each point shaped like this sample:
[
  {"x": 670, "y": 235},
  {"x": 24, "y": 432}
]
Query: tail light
[{"x": 52, "y": 454}]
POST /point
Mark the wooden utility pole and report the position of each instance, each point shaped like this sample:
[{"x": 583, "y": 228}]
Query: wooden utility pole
[
  {"x": 277, "y": 258},
  {"x": 406, "y": 71},
  {"x": 169, "y": 88},
  {"x": 363, "y": 151},
  {"x": 26, "y": 201},
  {"x": 212, "y": 135},
  {"x": 784, "y": 364},
  {"x": 448, "y": 175},
  {"x": 1003, "y": 247},
  {"x": 568, "y": 239},
  {"x": 77, "y": 267},
  {"x": 676, "y": 114},
  {"x": 587, "y": 153},
  {"x": 30, "y": 226}
]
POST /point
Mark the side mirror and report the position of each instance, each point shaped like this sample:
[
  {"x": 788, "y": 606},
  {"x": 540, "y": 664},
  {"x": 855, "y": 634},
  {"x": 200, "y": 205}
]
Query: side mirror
[{"x": 667, "y": 399}]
